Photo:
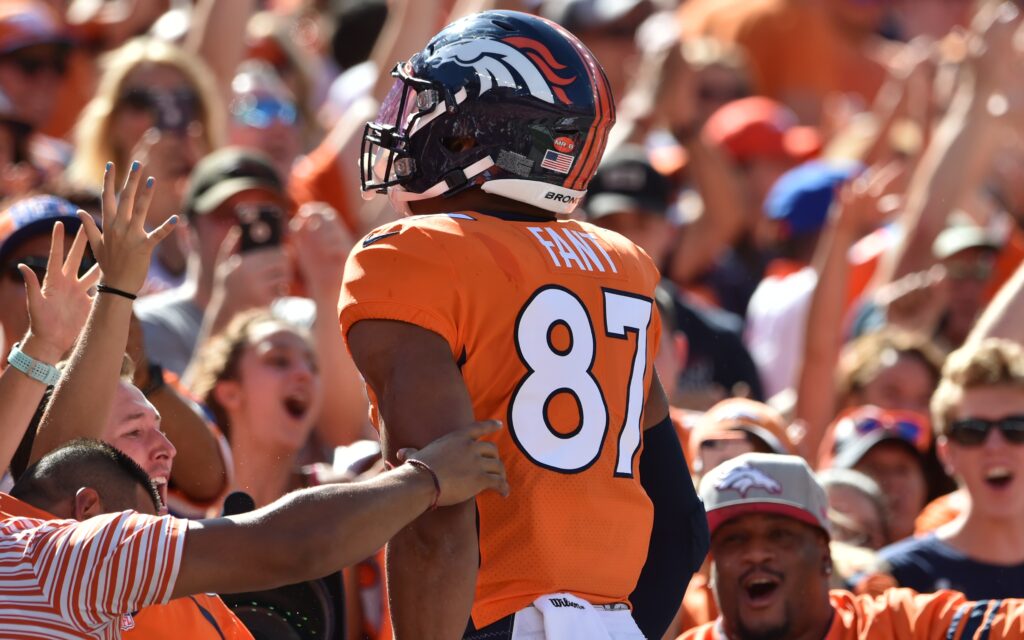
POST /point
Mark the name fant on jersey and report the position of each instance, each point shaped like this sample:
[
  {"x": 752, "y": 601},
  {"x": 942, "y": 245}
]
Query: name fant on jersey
[{"x": 572, "y": 249}]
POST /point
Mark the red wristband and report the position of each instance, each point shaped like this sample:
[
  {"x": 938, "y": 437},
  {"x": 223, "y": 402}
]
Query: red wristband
[{"x": 419, "y": 464}]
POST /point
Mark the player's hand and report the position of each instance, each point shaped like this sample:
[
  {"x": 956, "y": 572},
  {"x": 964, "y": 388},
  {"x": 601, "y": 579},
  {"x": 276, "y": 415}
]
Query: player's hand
[
  {"x": 321, "y": 244},
  {"x": 464, "y": 465},
  {"x": 250, "y": 280},
  {"x": 58, "y": 308},
  {"x": 124, "y": 249}
]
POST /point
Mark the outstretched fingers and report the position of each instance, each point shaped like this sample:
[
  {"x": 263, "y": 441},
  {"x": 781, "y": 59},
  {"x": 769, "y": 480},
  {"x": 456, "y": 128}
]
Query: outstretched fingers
[
  {"x": 157, "y": 236},
  {"x": 74, "y": 259},
  {"x": 126, "y": 203},
  {"x": 33, "y": 289},
  {"x": 53, "y": 260},
  {"x": 92, "y": 232}
]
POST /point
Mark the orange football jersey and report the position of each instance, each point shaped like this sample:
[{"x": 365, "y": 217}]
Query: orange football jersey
[
  {"x": 903, "y": 614},
  {"x": 554, "y": 328}
]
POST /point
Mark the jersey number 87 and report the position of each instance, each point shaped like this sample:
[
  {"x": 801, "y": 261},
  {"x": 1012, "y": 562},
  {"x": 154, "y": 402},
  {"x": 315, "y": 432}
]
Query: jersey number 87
[{"x": 552, "y": 371}]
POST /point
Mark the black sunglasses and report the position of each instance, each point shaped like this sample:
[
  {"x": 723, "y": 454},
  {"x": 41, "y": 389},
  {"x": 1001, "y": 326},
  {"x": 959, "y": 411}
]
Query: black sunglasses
[
  {"x": 38, "y": 266},
  {"x": 971, "y": 432}
]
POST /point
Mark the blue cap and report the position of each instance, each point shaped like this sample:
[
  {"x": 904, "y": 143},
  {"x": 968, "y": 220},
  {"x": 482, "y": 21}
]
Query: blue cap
[
  {"x": 802, "y": 196},
  {"x": 31, "y": 217}
]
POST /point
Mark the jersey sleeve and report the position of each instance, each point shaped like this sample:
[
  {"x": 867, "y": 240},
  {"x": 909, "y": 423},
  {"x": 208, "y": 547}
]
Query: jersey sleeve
[
  {"x": 109, "y": 565},
  {"x": 402, "y": 272}
]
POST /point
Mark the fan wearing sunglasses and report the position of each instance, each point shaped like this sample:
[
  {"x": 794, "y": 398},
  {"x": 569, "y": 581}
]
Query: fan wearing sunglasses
[
  {"x": 978, "y": 411},
  {"x": 33, "y": 58}
]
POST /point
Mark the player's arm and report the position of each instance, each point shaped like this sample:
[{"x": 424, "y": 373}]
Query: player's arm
[
  {"x": 432, "y": 563},
  {"x": 679, "y": 537}
]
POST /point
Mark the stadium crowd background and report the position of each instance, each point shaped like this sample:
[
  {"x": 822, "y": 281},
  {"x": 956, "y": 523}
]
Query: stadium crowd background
[{"x": 833, "y": 189}]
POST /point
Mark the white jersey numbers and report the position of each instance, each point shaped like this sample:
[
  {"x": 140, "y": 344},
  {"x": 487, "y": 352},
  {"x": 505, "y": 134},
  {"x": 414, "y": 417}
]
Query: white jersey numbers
[{"x": 556, "y": 340}]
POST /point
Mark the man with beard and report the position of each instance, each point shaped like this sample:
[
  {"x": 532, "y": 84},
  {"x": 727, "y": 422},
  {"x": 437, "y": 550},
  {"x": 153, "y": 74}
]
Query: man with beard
[{"x": 771, "y": 566}]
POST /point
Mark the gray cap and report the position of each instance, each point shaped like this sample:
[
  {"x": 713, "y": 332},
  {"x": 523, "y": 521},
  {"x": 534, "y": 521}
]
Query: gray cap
[
  {"x": 764, "y": 483},
  {"x": 228, "y": 172}
]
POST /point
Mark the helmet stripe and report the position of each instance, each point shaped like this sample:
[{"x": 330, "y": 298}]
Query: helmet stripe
[
  {"x": 599, "y": 132},
  {"x": 572, "y": 181}
]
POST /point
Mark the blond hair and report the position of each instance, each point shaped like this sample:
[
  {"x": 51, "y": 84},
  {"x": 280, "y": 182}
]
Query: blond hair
[
  {"x": 93, "y": 147},
  {"x": 988, "y": 363}
]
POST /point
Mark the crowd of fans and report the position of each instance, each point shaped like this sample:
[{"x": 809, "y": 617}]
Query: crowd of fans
[{"x": 832, "y": 189}]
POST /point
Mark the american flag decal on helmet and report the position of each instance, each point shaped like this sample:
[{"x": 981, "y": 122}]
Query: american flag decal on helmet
[{"x": 559, "y": 162}]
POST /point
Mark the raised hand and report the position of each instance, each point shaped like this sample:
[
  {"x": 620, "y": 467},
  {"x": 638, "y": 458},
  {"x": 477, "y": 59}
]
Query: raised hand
[
  {"x": 124, "y": 248},
  {"x": 464, "y": 465},
  {"x": 321, "y": 245},
  {"x": 58, "y": 307}
]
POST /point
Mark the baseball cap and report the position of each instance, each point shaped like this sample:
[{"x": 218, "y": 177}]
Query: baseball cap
[
  {"x": 859, "y": 430},
  {"x": 587, "y": 15},
  {"x": 759, "y": 127},
  {"x": 764, "y": 483},
  {"x": 226, "y": 173},
  {"x": 33, "y": 216},
  {"x": 801, "y": 197},
  {"x": 625, "y": 182},
  {"x": 960, "y": 237},
  {"x": 27, "y": 23},
  {"x": 736, "y": 417}
]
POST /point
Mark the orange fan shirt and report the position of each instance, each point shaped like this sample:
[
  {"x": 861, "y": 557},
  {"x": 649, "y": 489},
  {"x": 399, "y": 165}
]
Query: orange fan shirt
[
  {"x": 554, "y": 328},
  {"x": 903, "y": 614}
]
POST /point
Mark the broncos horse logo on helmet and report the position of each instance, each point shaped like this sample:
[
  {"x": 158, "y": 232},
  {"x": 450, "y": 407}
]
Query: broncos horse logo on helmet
[{"x": 502, "y": 101}]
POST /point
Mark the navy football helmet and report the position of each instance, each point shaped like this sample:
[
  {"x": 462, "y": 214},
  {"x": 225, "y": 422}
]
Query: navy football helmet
[{"x": 502, "y": 101}]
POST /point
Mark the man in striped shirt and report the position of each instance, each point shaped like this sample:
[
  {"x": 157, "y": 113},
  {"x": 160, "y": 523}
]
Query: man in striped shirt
[{"x": 110, "y": 554}]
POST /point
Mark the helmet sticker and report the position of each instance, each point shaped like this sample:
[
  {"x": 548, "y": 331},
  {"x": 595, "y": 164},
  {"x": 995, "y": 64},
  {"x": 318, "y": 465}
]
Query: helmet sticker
[
  {"x": 564, "y": 144},
  {"x": 498, "y": 63},
  {"x": 557, "y": 162}
]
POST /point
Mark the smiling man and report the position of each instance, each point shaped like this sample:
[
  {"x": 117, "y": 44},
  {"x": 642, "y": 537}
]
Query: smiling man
[
  {"x": 771, "y": 566},
  {"x": 978, "y": 413}
]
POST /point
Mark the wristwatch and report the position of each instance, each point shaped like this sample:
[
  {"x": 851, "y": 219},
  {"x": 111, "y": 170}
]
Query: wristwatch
[{"x": 35, "y": 369}]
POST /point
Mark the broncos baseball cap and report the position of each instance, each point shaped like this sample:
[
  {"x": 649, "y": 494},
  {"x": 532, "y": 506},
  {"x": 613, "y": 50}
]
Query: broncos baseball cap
[
  {"x": 625, "y": 182},
  {"x": 33, "y": 216},
  {"x": 801, "y": 197},
  {"x": 226, "y": 173},
  {"x": 27, "y": 23},
  {"x": 764, "y": 483},
  {"x": 759, "y": 127},
  {"x": 737, "y": 417}
]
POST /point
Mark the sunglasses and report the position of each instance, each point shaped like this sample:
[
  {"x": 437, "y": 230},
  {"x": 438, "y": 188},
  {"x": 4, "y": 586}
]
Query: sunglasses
[
  {"x": 38, "y": 266},
  {"x": 172, "y": 110},
  {"x": 979, "y": 272},
  {"x": 34, "y": 66},
  {"x": 972, "y": 432},
  {"x": 909, "y": 428},
  {"x": 262, "y": 112}
]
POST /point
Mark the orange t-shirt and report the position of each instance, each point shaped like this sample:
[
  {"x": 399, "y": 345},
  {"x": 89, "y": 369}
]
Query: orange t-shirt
[
  {"x": 941, "y": 510},
  {"x": 903, "y": 614},
  {"x": 796, "y": 54},
  {"x": 178, "y": 618},
  {"x": 317, "y": 178},
  {"x": 555, "y": 329}
]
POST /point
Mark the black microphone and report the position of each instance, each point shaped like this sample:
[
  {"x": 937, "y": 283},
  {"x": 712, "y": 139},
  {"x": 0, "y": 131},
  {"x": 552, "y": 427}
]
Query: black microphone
[{"x": 238, "y": 502}]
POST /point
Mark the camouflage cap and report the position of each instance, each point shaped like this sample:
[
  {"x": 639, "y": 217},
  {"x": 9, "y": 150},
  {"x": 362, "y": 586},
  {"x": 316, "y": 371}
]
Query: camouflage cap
[{"x": 764, "y": 483}]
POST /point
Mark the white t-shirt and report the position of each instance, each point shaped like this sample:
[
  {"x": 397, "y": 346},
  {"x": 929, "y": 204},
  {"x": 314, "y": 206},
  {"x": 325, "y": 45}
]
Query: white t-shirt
[{"x": 776, "y": 321}]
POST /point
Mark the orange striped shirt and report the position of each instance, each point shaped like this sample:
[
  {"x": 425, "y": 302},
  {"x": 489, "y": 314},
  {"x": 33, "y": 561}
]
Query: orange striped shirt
[{"x": 70, "y": 579}]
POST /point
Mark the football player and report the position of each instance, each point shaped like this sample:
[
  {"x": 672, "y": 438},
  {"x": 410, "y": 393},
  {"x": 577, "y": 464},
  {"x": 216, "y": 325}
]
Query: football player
[{"x": 482, "y": 304}]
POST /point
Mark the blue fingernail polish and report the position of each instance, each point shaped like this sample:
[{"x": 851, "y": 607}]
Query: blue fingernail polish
[
  {"x": 173, "y": 220},
  {"x": 109, "y": 165},
  {"x": 135, "y": 166},
  {"x": 149, "y": 182}
]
